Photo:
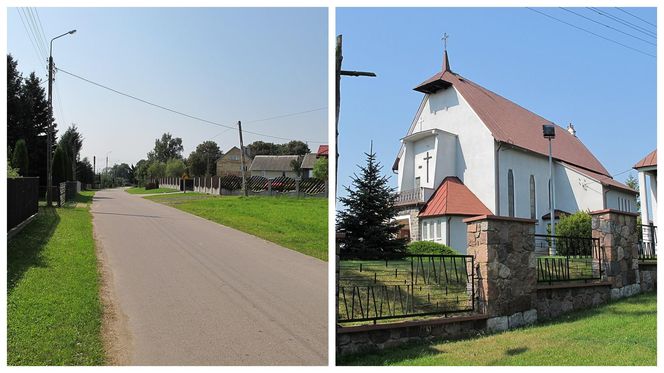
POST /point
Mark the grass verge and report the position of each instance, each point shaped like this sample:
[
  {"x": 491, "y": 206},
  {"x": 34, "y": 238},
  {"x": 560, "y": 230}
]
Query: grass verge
[
  {"x": 139, "y": 190},
  {"x": 620, "y": 333},
  {"x": 53, "y": 306},
  {"x": 296, "y": 223}
]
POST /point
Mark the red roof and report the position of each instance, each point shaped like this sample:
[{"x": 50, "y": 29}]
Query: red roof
[
  {"x": 322, "y": 150},
  {"x": 604, "y": 180},
  {"x": 453, "y": 198},
  {"x": 649, "y": 161},
  {"x": 511, "y": 123}
]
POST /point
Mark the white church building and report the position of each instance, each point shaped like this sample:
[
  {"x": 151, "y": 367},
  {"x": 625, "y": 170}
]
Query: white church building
[{"x": 471, "y": 152}]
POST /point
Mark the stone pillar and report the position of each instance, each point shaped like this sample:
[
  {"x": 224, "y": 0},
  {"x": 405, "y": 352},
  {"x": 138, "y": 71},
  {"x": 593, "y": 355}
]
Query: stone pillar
[
  {"x": 506, "y": 269},
  {"x": 619, "y": 239}
]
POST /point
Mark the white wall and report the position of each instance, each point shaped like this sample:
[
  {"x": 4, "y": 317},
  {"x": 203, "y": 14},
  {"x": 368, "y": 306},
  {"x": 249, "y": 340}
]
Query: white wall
[
  {"x": 574, "y": 191},
  {"x": 474, "y": 153},
  {"x": 436, "y": 230},
  {"x": 622, "y": 201}
]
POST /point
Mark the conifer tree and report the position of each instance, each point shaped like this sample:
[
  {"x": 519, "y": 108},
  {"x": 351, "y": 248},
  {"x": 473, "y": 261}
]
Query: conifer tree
[
  {"x": 20, "y": 158},
  {"x": 367, "y": 219}
]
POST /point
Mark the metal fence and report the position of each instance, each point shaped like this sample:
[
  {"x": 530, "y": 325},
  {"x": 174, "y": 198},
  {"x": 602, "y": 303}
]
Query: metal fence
[
  {"x": 647, "y": 242},
  {"x": 568, "y": 258},
  {"x": 413, "y": 286}
]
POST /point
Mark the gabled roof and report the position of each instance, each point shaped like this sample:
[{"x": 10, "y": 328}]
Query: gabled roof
[
  {"x": 272, "y": 163},
  {"x": 309, "y": 161},
  {"x": 453, "y": 198},
  {"x": 322, "y": 150},
  {"x": 603, "y": 179},
  {"x": 511, "y": 123},
  {"x": 650, "y": 160}
]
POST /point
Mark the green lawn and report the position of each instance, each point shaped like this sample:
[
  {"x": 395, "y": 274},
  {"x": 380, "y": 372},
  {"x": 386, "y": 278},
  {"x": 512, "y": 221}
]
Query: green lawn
[
  {"x": 296, "y": 223},
  {"x": 140, "y": 190},
  {"x": 620, "y": 333},
  {"x": 53, "y": 306}
]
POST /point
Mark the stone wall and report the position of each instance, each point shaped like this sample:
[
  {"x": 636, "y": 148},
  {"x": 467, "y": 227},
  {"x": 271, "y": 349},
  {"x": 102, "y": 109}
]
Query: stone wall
[
  {"x": 506, "y": 265},
  {"x": 377, "y": 337},
  {"x": 556, "y": 300},
  {"x": 648, "y": 276},
  {"x": 618, "y": 236}
]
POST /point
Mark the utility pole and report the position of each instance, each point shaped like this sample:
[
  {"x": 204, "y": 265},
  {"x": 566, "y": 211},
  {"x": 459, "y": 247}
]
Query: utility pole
[
  {"x": 340, "y": 73},
  {"x": 49, "y": 131},
  {"x": 94, "y": 172},
  {"x": 244, "y": 177}
]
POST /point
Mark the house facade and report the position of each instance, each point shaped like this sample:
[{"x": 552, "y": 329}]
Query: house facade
[
  {"x": 230, "y": 163},
  {"x": 471, "y": 152}
]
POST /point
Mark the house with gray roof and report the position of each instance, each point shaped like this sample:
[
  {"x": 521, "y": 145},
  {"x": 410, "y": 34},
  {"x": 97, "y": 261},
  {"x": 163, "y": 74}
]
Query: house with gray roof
[{"x": 271, "y": 166}]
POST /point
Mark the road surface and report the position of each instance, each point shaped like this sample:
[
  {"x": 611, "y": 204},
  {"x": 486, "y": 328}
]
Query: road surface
[{"x": 193, "y": 292}]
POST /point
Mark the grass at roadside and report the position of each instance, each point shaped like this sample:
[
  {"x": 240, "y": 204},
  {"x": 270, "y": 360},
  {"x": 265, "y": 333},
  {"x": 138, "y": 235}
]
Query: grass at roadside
[
  {"x": 139, "y": 190},
  {"x": 53, "y": 306},
  {"x": 296, "y": 223},
  {"x": 620, "y": 333}
]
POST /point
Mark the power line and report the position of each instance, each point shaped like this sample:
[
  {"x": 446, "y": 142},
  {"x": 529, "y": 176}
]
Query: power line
[
  {"x": 228, "y": 126},
  {"x": 33, "y": 26},
  {"x": 611, "y": 27},
  {"x": 592, "y": 33},
  {"x": 626, "y": 23},
  {"x": 30, "y": 37},
  {"x": 635, "y": 16}
]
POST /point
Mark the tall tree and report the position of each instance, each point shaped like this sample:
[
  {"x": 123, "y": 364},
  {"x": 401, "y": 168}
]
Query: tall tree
[
  {"x": 59, "y": 166},
  {"x": 175, "y": 168},
  {"x": 203, "y": 160},
  {"x": 72, "y": 142},
  {"x": 633, "y": 183},
  {"x": 263, "y": 148},
  {"x": 295, "y": 148},
  {"x": 85, "y": 173},
  {"x": 20, "y": 159},
  {"x": 368, "y": 216},
  {"x": 14, "y": 83},
  {"x": 168, "y": 147}
]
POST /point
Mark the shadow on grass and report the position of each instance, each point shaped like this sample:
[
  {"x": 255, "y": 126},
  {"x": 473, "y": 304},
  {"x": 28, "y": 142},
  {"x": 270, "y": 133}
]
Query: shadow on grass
[{"x": 24, "y": 251}]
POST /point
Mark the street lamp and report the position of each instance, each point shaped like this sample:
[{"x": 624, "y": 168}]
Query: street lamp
[
  {"x": 49, "y": 132},
  {"x": 106, "y": 168},
  {"x": 549, "y": 132}
]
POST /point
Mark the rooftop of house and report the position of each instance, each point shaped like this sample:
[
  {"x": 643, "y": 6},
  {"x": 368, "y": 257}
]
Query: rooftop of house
[
  {"x": 272, "y": 163},
  {"x": 650, "y": 160},
  {"x": 309, "y": 161},
  {"x": 322, "y": 150},
  {"x": 511, "y": 123},
  {"x": 453, "y": 198}
]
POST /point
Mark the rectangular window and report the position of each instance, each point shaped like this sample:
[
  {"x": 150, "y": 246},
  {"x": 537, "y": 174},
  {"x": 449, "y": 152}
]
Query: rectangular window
[
  {"x": 510, "y": 192},
  {"x": 425, "y": 231},
  {"x": 439, "y": 233},
  {"x": 533, "y": 200}
]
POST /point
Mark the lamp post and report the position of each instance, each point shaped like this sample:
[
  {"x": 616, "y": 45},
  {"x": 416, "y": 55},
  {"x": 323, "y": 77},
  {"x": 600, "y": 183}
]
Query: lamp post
[
  {"x": 49, "y": 131},
  {"x": 549, "y": 132},
  {"x": 106, "y": 169}
]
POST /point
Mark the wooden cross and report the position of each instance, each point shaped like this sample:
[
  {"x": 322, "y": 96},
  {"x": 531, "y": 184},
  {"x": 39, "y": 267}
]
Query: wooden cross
[
  {"x": 427, "y": 158},
  {"x": 444, "y": 39}
]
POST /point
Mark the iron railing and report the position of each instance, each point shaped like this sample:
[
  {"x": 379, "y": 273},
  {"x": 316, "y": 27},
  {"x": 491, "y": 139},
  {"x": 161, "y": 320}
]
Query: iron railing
[
  {"x": 413, "y": 286},
  {"x": 574, "y": 259},
  {"x": 647, "y": 242}
]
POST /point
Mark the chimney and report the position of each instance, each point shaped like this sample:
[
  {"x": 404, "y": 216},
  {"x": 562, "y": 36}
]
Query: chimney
[{"x": 570, "y": 129}]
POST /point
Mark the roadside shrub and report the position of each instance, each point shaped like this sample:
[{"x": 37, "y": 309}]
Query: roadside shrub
[
  {"x": 430, "y": 247},
  {"x": 578, "y": 224},
  {"x": 152, "y": 185},
  {"x": 20, "y": 157}
]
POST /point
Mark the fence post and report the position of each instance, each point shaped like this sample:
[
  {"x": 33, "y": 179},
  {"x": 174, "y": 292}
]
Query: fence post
[
  {"x": 504, "y": 253},
  {"x": 297, "y": 188},
  {"x": 269, "y": 187},
  {"x": 619, "y": 238}
]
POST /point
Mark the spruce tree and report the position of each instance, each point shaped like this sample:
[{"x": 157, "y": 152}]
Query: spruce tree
[
  {"x": 367, "y": 219},
  {"x": 20, "y": 157}
]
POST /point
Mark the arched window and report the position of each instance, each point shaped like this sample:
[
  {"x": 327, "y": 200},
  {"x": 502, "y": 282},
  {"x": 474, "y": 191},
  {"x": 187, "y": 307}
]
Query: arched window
[
  {"x": 533, "y": 198},
  {"x": 510, "y": 192}
]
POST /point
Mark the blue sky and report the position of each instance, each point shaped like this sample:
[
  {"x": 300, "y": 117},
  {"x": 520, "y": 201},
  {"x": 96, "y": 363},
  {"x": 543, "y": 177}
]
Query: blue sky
[
  {"x": 565, "y": 75},
  {"x": 220, "y": 64}
]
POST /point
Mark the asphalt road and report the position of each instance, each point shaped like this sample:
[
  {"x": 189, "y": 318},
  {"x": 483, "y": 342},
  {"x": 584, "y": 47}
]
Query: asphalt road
[{"x": 193, "y": 292}]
